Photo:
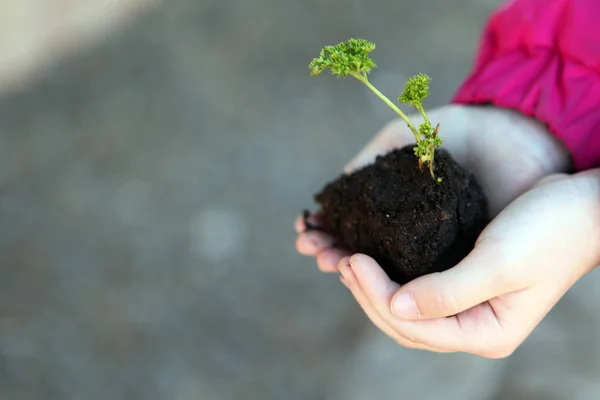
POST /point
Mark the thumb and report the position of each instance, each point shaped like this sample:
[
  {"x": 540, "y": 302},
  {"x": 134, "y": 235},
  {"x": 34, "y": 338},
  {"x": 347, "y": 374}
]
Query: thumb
[
  {"x": 391, "y": 136},
  {"x": 480, "y": 277}
]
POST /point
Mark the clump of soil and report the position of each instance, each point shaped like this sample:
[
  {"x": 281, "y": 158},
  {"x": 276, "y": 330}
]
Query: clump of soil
[{"x": 398, "y": 214}]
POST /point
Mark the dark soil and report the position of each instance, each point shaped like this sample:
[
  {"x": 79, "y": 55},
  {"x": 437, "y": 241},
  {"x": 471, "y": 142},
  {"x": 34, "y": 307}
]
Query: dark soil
[{"x": 403, "y": 218}]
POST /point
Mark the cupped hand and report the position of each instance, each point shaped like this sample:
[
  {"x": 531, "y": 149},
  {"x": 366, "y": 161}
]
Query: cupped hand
[
  {"x": 522, "y": 264},
  {"x": 507, "y": 152}
]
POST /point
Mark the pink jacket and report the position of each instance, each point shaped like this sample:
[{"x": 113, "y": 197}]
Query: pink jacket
[{"x": 542, "y": 57}]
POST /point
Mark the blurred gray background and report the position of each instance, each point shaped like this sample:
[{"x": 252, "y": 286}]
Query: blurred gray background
[{"x": 153, "y": 157}]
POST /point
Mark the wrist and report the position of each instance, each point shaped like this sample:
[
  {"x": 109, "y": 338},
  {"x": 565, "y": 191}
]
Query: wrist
[{"x": 541, "y": 153}]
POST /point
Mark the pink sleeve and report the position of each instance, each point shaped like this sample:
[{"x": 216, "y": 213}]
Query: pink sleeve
[{"x": 542, "y": 57}]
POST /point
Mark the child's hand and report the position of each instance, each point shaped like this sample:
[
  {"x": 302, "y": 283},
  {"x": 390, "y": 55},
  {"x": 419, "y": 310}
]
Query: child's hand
[
  {"x": 507, "y": 152},
  {"x": 522, "y": 264}
]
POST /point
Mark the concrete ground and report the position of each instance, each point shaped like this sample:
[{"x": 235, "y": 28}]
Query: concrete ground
[{"x": 148, "y": 187}]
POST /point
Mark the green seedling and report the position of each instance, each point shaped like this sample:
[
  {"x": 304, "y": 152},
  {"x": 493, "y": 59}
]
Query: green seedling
[{"x": 351, "y": 58}]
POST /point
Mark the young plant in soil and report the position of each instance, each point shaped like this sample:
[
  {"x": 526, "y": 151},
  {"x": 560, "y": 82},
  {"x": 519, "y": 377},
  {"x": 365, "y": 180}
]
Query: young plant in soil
[{"x": 414, "y": 210}]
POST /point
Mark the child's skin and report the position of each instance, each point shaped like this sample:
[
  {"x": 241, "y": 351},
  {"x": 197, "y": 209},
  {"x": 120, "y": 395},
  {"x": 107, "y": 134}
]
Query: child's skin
[{"x": 544, "y": 237}]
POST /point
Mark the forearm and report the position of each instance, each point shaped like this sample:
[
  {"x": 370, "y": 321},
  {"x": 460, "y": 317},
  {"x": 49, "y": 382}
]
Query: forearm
[
  {"x": 542, "y": 59},
  {"x": 536, "y": 149}
]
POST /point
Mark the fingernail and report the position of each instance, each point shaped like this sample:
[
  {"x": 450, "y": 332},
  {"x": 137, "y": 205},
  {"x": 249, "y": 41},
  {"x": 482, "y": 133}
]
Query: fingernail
[
  {"x": 403, "y": 306},
  {"x": 343, "y": 280},
  {"x": 343, "y": 270},
  {"x": 316, "y": 243}
]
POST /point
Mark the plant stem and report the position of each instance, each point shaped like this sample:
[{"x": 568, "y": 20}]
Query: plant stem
[
  {"x": 431, "y": 163},
  {"x": 422, "y": 111},
  {"x": 387, "y": 101}
]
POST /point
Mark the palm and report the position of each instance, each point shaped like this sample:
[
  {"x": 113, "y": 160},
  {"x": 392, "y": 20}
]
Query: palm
[
  {"x": 524, "y": 253},
  {"x": 491, "y": 301},
  {"x": 488, "y": 143},
  {"x": 507, "y": 152}
]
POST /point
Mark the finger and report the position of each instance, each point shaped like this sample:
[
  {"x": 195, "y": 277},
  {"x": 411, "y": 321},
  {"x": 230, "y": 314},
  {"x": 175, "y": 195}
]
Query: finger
[
  {"x": 551, "y": 179},
  {"x": 481, "y": 276},
  {"x": 315, "y": 220},
  {"x": 492, "y": 329},
  {"x": 476, "y": 331},
  {"x": 367, "y": 156},
  {"x": 443, "y": 333},
  {"x": 299, "y": 225},
  {"x": 328, "y": 260},
  {"x": 378, "y": 287},
  {"x": 349, "y": 279},
  {"x": 390, "y": 137},
  {"x": 312, "y": 243}
]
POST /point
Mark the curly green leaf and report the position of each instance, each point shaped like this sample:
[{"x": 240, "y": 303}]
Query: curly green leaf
[
  {"x": 346, "y": 58},
  {"x": 416, "y": 90},
  {"x": 352, "y": 58}
]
